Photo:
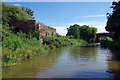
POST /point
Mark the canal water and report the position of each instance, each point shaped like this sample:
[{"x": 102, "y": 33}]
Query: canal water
[{"x": 69, "y": 62}]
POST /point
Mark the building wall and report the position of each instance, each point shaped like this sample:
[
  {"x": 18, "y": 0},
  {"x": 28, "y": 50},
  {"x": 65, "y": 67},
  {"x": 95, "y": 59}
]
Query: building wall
[
  {"x": 46, "y": 30},
  {"x": 27, "y": 26}
]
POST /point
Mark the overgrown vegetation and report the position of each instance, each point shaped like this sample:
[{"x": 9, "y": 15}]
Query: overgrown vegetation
[
  {"x": 12, "y": 12},
  {"x": 60, "y": 41},
  {"x": 110, "y": 43},
  {"x": 113, "y": 26},
  {"x": 18, "y": 47},
  {"x": 82, "y": 32},
  {"x": 113, "y": 23},
  {"x": 106, "y": 42}
]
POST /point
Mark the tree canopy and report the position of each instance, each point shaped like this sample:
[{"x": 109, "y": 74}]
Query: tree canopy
[
  {"x": 113, "y": 23},
  {"x": 82, "y": 32},
  {"x": 12, "y": 12},
  {"x": 29, "y": 11},
  {"x": 74, "y": 31}
]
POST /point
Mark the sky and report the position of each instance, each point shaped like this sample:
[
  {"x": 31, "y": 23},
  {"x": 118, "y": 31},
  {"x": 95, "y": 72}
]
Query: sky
[
  {"x": 58, "y": 0},
  {"x": 61, "y": 15}
]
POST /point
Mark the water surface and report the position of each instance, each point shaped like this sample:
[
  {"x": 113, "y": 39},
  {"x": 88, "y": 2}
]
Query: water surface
[{"x": 68, "y": 62}]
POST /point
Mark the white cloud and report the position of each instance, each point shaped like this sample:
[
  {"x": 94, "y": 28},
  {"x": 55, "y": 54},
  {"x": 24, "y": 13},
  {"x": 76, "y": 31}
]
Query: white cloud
[
  {"x": 90, "y": 16},
  {"x": 16, "y": 4},
  {"x": 83, "y": 23},
  {"x": 99, "y": 25},
  {"x": 62, "y": 30},
  {"x": 90, "y": 23},
  {"x": 100, "y": 28}
]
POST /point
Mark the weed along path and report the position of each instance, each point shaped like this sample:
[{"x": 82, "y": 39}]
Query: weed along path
[{"x": 68, "y": 62}]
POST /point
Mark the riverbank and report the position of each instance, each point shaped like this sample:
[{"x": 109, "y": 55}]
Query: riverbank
[
  {"x": 110, "y": 43},
  {"x": 91, "y": 45},
  {"x": 18, "y": 46}
]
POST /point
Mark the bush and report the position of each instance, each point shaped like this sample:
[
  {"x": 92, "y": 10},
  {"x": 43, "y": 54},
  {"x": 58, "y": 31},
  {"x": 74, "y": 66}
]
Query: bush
[
  {"x": 107, "y": 42},
  {"x": 115, "y": 45},
  {"x": 12, "y": 12},
  {"x": 56, "y": 41},
  {"x": 17, "y": 47},
  {"x": 60, "y": 41},
  {"x": 46, "y": 47}
]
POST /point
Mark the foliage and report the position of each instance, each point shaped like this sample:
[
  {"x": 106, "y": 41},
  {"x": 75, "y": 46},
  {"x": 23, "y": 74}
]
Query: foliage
[
  {"x": 88, "y": 33},
  {"x": 56, "y": 41},
  {"x": 12, "y": 12},
  {"x": 29, "y": 11},
  {"x": 46, "y": 47},
  {"x": 106, "y": 42},
  {"x": 60, "y": 41},
  {"x": 111, "y": 44},
  {"x": 113, "y": 26},
  {"x": 113, "y": 23},
  {"x": 17, "y": 47},
  {"x": 51, "y": 28},
  {"x": 74, "y": 31},
  {"x": 34, "y": 34},
  {"x": 82, "y": 32}
]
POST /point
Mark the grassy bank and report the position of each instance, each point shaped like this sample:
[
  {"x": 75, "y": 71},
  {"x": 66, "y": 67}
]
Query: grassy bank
[{"x": 18, "y": 46}]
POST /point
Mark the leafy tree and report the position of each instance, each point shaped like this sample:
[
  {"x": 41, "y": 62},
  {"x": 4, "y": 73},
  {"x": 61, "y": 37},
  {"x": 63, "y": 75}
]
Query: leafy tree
[
  {"x": 11, "y": 12},
  {"x": 29, "y": 11},
  {"x": 88, "y": 33},
  {"x": 74, "y": 30},
  {"x": 113, "y": 23},
  {"x": 82, "y": 32}
]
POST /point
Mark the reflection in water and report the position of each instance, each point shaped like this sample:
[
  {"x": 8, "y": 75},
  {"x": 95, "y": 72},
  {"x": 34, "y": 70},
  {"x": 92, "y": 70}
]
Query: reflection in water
[
  {"x": 68, "y": 62},
  {"x": 30, "y": 68},
  {"x": 114, "y": 65},
  {"x": 83, "y": 54}
]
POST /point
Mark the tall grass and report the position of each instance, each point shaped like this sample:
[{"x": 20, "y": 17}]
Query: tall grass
[{"x": 18, "y": 47}]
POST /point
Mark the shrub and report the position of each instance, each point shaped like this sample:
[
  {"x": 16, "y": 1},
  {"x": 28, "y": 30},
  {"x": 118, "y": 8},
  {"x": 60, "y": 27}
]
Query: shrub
[
  {"x": 107, "y": 42},
  {"x": 60, "y": 41},
  {"x": 46, "y": 47},
  {"x": 18, "y": 47},
  {"x": 12, "y": 12}
]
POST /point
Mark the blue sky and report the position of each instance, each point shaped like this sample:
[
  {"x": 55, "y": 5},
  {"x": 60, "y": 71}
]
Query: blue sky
[
  {"x": 61, "y": 15},
  {"x": 58, "y": 0}
]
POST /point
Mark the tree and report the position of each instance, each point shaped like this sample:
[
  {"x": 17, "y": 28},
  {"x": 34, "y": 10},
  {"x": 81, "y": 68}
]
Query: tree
[
  {"x": 113, "y": 23},
  {"x": 82, "y": 32},
  {"x": 73, "y": 30},
  {"x": 88, "y": 33},
  {"x": 29, "y": 11},
  {"x": 11, "y": 12}
]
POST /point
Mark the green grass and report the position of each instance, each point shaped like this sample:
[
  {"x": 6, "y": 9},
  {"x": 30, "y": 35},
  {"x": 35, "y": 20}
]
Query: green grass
[
  {"x": 17, "y": 47},
  {"x": 61, "y": 41}
]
